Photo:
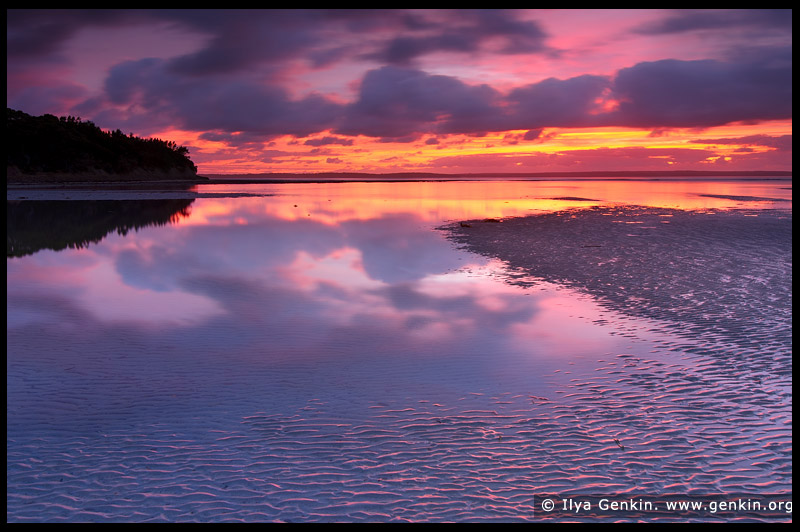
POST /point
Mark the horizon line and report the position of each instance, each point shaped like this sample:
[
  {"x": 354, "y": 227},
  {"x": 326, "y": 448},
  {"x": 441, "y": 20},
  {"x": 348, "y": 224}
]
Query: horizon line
[{"x": 594, "y": 173}]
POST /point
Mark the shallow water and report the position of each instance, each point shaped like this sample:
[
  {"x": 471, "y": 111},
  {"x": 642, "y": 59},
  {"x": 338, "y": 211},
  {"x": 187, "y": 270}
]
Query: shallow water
[{"x": 324, "y": 352}]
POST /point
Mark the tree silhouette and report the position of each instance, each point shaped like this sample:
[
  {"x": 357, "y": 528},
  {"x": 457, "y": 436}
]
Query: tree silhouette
[{"x": 67, "y": 145}]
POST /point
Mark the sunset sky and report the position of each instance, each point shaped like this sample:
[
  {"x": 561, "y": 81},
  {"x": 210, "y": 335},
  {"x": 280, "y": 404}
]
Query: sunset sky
[{"x": 449, "y": 91}]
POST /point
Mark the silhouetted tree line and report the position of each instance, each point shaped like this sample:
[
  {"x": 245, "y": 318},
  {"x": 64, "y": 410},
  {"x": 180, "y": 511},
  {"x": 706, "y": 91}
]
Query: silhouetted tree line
[{"x": 68, "y": 145}]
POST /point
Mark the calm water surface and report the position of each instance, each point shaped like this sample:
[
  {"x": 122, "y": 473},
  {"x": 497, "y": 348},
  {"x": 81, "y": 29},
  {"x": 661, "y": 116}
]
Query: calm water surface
[{"x": 144, "y": 319}]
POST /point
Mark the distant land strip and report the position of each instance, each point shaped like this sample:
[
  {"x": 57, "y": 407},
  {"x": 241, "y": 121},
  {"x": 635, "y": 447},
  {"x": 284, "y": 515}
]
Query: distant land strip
[{"x": 431, "y": 176}]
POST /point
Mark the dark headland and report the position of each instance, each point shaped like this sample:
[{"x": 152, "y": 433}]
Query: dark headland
[{"x": 50, "y": 149}]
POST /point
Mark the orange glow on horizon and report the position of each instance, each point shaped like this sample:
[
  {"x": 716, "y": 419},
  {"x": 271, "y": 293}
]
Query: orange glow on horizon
[{"x": 505, "y": 151}]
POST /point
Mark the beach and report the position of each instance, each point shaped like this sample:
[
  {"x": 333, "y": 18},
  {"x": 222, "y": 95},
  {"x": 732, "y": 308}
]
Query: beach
[{"x": 262, "y": 360}]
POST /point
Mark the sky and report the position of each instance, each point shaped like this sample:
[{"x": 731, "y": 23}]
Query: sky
[{"x": 448, "y": 91}]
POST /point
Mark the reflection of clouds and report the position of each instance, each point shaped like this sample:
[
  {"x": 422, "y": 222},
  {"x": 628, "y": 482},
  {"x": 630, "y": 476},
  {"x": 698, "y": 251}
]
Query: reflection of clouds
[
  {"x": 331, "y": 276},
  {"x": 109, "y": 299},
  {"x": 391, "y": 249},
  {"x": 280, "y": 286},
  {"x": 294, "y": 306},
  {"x": 261, "y": 316},
  {"x": 161, "y": 260},
  {"x": 395, "y": 248},
  {"x": 407, "y": 296},
  {"x": 136, "y": 267},
  {"x": 345, "y": 314},
  {"x": 96, "y": 288},
  {"x": 342, "y": 267},
  {"x": 276, "y": 289}
]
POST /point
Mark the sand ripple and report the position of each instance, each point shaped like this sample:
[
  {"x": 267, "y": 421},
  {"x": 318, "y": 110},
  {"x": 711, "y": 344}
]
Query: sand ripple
[{"x": 407, "y": 461}]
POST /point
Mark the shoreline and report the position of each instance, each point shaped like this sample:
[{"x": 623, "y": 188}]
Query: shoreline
[
  {"x": 172, "y": 189},
  {"x": 144, "y": 183}
]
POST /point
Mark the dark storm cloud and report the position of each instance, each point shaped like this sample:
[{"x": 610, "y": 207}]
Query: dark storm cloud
[
  {"x": 554, "y": 102},
  {"x": 706, "y": 93},
  {"x": 38, "y": 32},
  {"x": 403, "y": 49},
  {"x": 243, "y": 38},
  {"x": 780, "y": 143},
  {"x": 467, "y": 31},
  {"x": 217, "y": 104},
  {"x": 533, "y": 134},
  {"x": 236, "y": 39},
  {"x": 713, "y": 19},
  {"x": 395, "y": 102},
  {"x": 27, "y": 35},
  {"x": 39, "y": 100},
  {"x": 240, "y": 39},
  {"x": 325, "y": 141}
]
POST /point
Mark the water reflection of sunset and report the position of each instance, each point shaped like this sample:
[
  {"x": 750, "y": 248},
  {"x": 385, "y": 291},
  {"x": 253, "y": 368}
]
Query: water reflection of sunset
[
  {"x": 343, "y": 244},
  {"x": 330, "y": 203},
  {"x": 364, "y": 311}
]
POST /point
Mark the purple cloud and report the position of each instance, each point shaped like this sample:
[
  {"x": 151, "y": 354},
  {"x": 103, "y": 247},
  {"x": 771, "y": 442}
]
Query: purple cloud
[
  {"x": 706, "y": 93},
  {"x": 560, "y": 103},
  {"x": 780, "y": 143},
  {"x": 397, "y": 102},
  {"x": 44, "y": 99},
  {"x": 712, "y": 19},
  {"x": 244, "y": 38},
  {"x": 465, "y": 31},
  {"x": 532, "y": 134},
  {"x": 217, "y": 104},
  {"x": 325, "y": 141},
  {"x": 35, "y": 32}
]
